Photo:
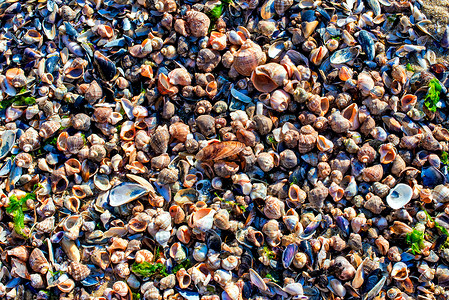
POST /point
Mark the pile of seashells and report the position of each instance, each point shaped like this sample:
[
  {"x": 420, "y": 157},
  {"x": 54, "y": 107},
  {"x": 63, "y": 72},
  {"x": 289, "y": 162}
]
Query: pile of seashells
[{"x": 162, "y": 149}]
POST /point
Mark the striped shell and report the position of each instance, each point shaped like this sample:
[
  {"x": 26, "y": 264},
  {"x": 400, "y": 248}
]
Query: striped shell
[
  {"x": 281, "y": 6},
  {"x": 78, "y": 271},
  {"x": 248, "y": 58}
]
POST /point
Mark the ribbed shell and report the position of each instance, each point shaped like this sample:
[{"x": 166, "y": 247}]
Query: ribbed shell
[
  {"x": 48, "y": 128},
  {"x": 29, "y": 140},
  {"x": 307, "y": 139},
  {"x": 78, "y": 271},
  {"x": 198, "y": 23},
  {"x": 159, "y": 140},
  {"x": 248, "y": 58},
  {"x": 281, "y": 6}
]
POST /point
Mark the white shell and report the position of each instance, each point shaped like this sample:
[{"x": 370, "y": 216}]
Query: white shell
[
  {"x": 257, "y": 280},
  {"x": 399, "y": 196},
  {"x": 126, "y": 192}
]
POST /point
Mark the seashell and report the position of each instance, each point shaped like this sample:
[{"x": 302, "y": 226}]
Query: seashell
[
  {"x": 268, "y": 77},
  {"x": 339, "y": 124},
  {"x": 279, "y": 100},
  {"x": 66, "y": 286},
  {"x": 207, "y": 60},
  {"x": 248, "y": 57},
  {"x": 37, "y": 281},
  {"x": 408, "y": 101},
  {"x": 373, "y": 174},
  {"x": 323, "y": 144},
  {"x": 167, "y": 282},
  {"x": 366, "y": 154},
  {"x": 387, "y": 153},
  {"x": 221, "y": 219},
  {"x": 125, "y": 192},
  {"x": 105, "y": 66},
  {"x": 137, "y": 225},
  {"x": 198, "y": 23},
  {"x": 281, "y": 6},
  {"x": 78, "y": 271},
  {"x": 219, "y": 151},
  {"x": 16, "y": 77},
  {"x": 164, "y": 86},
  {"x": 180, "y": 76},
  {"x": 317, "y": 55},
  {"x": 177, "y": 252},
  {"x": 300, "y": 260},
  {"x": 200, "y": 252},
  {"x": 177, "y": 213},
  {"x": 230, "y": 263},
  {"x": 263, "y": 124},
  {"x": 273, "y": 208},
  {"x": 179, "y": 131},
  {"x": 365, "y": 83},
  {"x": 296, "y": 195},
  {"x": 337, "y": 288},
  {"x": 105, "y": 31},
  {"x": 167, "y": 176},
  {"x": 184, "y": 278},
  {"x": 203, "y": 219},
  {"x": 441, "y": 194},
  {"x": 38, "y": 261},
  {"x": 398, "y": 73},
  {"x": 336, "y": 192},
  {"x": 48, "y": 129},
  {"x": 342, "y": 268},
  {"x": 318, "y": 105},
  {"x": 344, "y": 55},
  {"x": 307, "y": 139},
  {"x": 19, "y": 252},
  {"x": 352, "y": 114},
  {"x": 400, "y": 271},
  {"x": 159, "y": 140},
  {"x": 121, "y": 288},
  {"x": 144, "y": 255},
  {"x": 317, "y": 195},
  {"x": 217, "y": 40},
  {"x": 23, "y": 160},
  {"x": 257, "y": 280},
  {"x": 265, "y": 161},
  {"x": 101, "y": 258},
  {"x": 399, "y": 196}
]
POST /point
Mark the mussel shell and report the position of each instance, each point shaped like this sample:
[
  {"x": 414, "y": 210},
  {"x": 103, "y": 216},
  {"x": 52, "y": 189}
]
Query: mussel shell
[
  {"x": 345, "y": 55},
  {"x": 432, "y": 177},
  {"x": 213, "y": 240}
]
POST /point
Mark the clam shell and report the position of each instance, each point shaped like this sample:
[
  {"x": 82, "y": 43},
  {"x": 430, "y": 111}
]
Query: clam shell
[
  {"x": 126, "y": 192},
  {"x": 399, "y": 196}
]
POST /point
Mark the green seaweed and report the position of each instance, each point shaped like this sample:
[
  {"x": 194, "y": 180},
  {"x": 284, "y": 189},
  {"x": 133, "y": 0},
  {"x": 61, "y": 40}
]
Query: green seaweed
[
  {"x": 15, "y": 209},
  {"x": 416, "y": 240},
  {"x": 183, "y": 265},
  {"x": 18, "y": 100},
  {"x": 215, "y": 12},
  {"x": 275, "y": 278},
  {"x": 433, "y": 95},
  {"x": 444, "y": 158},
  {"x": 136, "y": 296},
  {"x": 270, "y": 253},
  {"x": 147, "y": 269},
  {"x": 409, "y": 67}
]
